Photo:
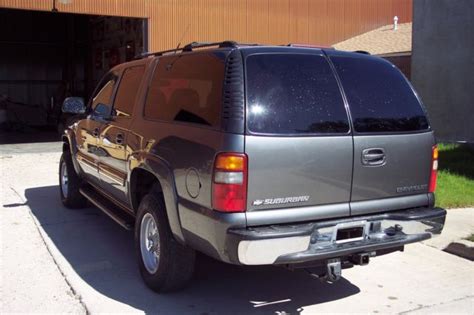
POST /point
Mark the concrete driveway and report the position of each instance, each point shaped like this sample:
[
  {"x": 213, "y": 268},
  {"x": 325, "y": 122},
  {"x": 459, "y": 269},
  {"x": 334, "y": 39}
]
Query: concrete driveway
[{"x": 57, "y": 260}]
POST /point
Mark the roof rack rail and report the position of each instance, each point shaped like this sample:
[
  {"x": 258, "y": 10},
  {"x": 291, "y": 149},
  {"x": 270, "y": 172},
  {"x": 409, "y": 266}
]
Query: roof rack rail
[
  {"x": 193, "y": 45},
  {"x": 361, "y": 52},
  {"x": 308, "y": 46},
  {"x": 189, "y": 47}
]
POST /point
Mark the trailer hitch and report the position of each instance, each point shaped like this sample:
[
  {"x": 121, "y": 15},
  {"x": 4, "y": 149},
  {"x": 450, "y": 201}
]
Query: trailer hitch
[
  {"x": 333, "y": 268},
  {"x": 329, "y": 273}
]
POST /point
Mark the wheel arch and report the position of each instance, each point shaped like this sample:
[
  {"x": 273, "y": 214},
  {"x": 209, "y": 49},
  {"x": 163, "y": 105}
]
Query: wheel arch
[
  {"x": 69, "y": 144},
  {"x": 153, "y": 173}
]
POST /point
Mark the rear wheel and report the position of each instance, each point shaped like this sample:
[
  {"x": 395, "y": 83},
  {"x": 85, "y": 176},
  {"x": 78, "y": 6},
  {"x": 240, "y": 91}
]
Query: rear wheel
[
  {"x": 69, "y": 183},
  {"x": 165, "y": 265}
]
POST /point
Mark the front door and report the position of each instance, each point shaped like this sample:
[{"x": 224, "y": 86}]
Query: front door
[
  {"x": 89, "y": 129},
  {"x": 113, "y": 165}
]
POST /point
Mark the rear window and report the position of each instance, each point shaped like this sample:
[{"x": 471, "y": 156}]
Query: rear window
[
  {"x": 293, "y": 94},
  {"x": 380, "y": 99}
]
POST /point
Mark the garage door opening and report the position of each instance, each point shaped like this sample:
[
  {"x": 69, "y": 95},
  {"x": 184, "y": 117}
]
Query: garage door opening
[{"x": 46, "y": 57}]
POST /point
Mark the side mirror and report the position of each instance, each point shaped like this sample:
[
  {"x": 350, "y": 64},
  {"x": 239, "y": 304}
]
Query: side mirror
[
  {"x": 73, "y": 105},
  {"x": 102, "y": 111}
]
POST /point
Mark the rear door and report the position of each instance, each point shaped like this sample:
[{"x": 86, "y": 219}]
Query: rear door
[
  {"x": 298, "y": 141},
  {"x": 392, "y": 139}
]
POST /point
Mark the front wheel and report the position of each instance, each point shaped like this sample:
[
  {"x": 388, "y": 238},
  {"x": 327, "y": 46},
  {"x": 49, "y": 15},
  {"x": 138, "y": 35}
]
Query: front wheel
[
  {"x": 69, "y": 184},
  {"x": 165, "y": 265}
]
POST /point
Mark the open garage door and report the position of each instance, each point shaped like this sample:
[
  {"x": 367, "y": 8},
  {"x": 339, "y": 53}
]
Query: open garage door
[{"x": 48, "y": 56}]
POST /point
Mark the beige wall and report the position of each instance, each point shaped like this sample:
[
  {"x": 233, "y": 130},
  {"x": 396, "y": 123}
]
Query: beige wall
[{"x": 264, "y": 21}]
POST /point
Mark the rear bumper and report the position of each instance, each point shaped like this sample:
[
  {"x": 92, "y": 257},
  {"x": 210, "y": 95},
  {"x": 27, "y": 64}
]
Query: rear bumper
[{"x": 301, "y": 243}]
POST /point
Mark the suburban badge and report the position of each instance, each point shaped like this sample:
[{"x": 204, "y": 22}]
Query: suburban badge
[{"x": 278, "y": 201}]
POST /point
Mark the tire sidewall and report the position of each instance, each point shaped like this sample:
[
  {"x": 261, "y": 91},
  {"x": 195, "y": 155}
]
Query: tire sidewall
[
  {"x": 74, "y": 199},
  {"x": 62, "y": 161},
  {"x": 150, "y": 204}
]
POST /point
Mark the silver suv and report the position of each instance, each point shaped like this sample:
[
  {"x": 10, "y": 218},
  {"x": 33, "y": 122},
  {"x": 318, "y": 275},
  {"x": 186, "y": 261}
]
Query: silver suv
[{"x": 255, "y": 155}]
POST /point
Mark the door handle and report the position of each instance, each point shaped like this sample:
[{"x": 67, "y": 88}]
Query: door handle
[
  {"x": 95, "y": 132},
  {"x": 373, "y": 157},
  {"x": 119, "y": 138}
]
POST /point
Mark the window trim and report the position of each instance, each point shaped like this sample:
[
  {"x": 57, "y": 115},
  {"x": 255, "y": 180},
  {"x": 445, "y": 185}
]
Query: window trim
[
  {"x": 90, "y": 111},
  {"x": 191, "y": 124},
  {"x": 286, "y": 135}
]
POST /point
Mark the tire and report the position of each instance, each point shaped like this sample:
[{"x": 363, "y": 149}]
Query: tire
[
  {"x": 173, "y": 266},
  {"x": 69, "y": 186}
]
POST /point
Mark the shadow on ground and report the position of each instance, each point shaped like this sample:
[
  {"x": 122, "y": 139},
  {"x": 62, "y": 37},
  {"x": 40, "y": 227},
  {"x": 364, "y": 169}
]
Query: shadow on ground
[{"x": 102, "y": 254}]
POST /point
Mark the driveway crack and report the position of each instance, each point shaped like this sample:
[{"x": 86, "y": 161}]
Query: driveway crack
[{"x": 436, "y": 304}]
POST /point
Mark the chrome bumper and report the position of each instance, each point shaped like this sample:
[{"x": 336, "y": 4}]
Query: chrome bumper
[{"x": 285, "y": 244}]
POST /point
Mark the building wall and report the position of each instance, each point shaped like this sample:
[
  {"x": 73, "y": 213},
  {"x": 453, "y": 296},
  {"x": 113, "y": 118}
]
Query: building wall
[
  {"x": 402, "y": 61},
  {"x": 443, "y": 65},
  {"x": 322, "y": 22}
]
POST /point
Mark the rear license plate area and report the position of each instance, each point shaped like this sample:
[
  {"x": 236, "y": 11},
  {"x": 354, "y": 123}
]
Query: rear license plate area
[{"x": 350, "y": 232}]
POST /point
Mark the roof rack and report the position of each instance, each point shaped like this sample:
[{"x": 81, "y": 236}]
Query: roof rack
[
  {"x": 224, "y": 44},
  {"x": 308, "y": 46},
  {"x": 190, "y": 47},
  {"x": 361, "y": 52}
]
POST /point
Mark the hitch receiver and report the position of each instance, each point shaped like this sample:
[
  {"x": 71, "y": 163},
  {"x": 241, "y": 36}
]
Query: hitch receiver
[{"x": 362, "y": 259}]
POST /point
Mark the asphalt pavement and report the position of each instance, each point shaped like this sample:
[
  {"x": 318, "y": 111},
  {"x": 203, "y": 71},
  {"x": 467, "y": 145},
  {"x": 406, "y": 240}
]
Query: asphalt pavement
[{"x": 56, "y": 260}]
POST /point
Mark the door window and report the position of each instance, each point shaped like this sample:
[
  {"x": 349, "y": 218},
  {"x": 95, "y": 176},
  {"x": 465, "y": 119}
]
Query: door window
[
  {"x": 102, "y": 97},
  {"x": 127, "y": 91}
]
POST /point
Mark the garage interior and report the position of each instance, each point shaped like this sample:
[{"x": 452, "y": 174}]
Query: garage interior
[{"x": 48, "y": 56}]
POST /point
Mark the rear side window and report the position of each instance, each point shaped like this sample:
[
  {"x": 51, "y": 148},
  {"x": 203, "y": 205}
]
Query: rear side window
[
  {"x": 293, "y": 94},
  {"x": 187, "y": 88},
  {"x": 127, "y": 91},
  {"x": 380, "y": 99}
]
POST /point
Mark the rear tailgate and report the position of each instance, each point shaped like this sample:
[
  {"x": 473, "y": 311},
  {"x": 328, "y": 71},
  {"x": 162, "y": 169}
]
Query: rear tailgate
[
  {"x": 298, "y": 139},
  {"x": 392, "y": 139}
]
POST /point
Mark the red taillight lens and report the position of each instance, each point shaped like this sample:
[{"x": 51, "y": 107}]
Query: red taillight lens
[
  {"x": 229, "y": 183},
  {"x": 434, "y": 169}
]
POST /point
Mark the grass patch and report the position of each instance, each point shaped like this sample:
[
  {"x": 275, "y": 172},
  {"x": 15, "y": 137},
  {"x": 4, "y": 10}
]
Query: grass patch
[
  {"x": 455, "y": 187},
  {"x": 470, "y": 238}
]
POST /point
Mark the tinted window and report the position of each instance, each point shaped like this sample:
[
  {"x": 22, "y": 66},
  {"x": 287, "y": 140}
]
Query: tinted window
[
  {"x": 293, "y": 94},
  {"x": 380, "y": 99},
  {"x": 103, "y": 95},
  {"x": 127, "y": 91},
  {"x": 187, "y": 88}
]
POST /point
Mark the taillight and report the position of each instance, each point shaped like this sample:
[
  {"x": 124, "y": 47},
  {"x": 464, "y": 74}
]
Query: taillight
[
  {"x": 434, "y": 169},
  {"x": 229, "y": 183}
]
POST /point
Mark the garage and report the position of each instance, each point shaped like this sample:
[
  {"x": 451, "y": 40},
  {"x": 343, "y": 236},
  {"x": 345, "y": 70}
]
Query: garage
[
  {"x": 51, "y": 49},
  {"x": 48, "y": 56}
]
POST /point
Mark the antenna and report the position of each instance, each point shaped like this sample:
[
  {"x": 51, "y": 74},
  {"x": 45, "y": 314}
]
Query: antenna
[{"x": 182, "y": 36}]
